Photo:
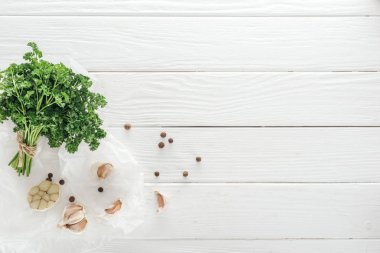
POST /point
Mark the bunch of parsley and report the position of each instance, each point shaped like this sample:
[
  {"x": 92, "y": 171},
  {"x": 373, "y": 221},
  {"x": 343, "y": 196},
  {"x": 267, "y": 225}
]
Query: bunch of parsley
[{"x": 46, "y": 99}]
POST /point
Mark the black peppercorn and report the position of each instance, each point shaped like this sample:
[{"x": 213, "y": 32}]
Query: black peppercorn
[
  {"x": 72, "y": 199},
  {"x": 100, "y": 189},
  {"x": 185, "y": 173},
  {"x": 198, "y": 158},
  {"x": 163, "y": 134},
  {"x": 161, "y": 145},
  {"x": 157, "y": 173},
  {"x": 127, "y": 126},
  {"x": 50, "y": 175},
  {"x": 61, "y": 182},
  {"x": 170, "y": 140}
]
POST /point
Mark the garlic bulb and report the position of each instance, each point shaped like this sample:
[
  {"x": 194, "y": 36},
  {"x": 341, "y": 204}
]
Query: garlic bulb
[
  {"x": 104, "y": 170},
  {"x": 115, "y": 207},
  {"x": 74, "y": 218},
  {"x": 43, "y": 196}
]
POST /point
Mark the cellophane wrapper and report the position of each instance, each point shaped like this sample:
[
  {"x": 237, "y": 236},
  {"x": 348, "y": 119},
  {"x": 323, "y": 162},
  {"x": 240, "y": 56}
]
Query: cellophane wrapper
[{"x": 25, "y": 230}]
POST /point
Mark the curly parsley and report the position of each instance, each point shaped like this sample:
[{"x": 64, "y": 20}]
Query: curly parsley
[{"x": 46, "y": 99}]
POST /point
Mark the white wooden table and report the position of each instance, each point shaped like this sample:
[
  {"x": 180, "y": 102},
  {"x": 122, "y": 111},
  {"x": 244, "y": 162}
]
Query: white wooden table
[{"x": 281, "y": 99}]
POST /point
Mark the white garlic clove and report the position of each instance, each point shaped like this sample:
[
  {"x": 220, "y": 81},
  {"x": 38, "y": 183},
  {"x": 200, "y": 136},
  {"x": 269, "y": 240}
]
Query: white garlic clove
[
  {"x": 54, "y": 197},
  {"x": 78, "y": 227},
  {"x": 44, "y": 185},
  {"x": 54, "y": 188},
  {"x": 41, "y": 193},
  {"x": 72, "y": 214},
  {"x": 115, "y": 207},
  {"x": 36, "y": 197},
  {"x": 34, "y": 190},
  {"x": 104, "y": 170},
  {"x": 43, "y": 204},
  {"x": 46, "y": 197},
  {"x": 72, "y": 209},
  {"x": 74, "y": 218},
  {"x": 35, "y": 204}
]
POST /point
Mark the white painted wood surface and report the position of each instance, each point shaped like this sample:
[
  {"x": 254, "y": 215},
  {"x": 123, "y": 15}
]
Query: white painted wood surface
[
  {"x": 307, "y": 182},
  {"x": 191, "y": 7},
  {"x": 200, "y": 43},
  {"x": 257, "y": 155},
  {"x": 243, "y": 246},
  {"x": 242, "y": 99},
  {"x": 262, "y": 211}
]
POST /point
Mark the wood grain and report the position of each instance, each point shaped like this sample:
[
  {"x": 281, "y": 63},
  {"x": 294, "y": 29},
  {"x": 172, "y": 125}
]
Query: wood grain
[
  {"x": 190, "y": 7},
  {"x": 242, "y": 99},
  {"x": 242, "y": 246},
  {"x": 257, "y": 154},
  {"x": 200, "y": 43},
  {"x": 262, "y": 211}
]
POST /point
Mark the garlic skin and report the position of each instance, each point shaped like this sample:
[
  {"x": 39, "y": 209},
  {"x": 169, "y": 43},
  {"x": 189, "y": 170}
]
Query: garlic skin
[
  {"x": 115, "y": 207},
  {"x": 74, "y": 218},
  {"x": 103, "y": 170},
  {"x": 160, "y": 201}
]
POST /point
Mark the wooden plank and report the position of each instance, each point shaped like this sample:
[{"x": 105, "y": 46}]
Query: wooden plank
[
  {"x": 200, "y": 43},
  {"x": 190, "y": 7},
  {"x": 242, "y": 99},
  {"x": 242, "y": 246},
  {"x": 262, "y": 211},
  {"x": 257, "y": 154}
]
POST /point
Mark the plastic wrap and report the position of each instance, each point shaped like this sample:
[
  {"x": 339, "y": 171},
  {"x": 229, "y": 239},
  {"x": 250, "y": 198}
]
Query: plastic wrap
[{"x": 25, "y": 230}]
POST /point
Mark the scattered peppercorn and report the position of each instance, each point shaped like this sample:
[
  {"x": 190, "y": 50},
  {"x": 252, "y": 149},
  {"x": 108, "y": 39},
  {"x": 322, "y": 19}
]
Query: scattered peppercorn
[
  {"x": 61, "y": 182},
  {"x": 50, "y": 175},
  {"x": 72, "y": 199},
  {"x": 185, "y": 173},
  {"x": 163, "y": 134},
  {"x": 157, "y": 173},
  {"x": 161, "y": 145},
  {"x": 170, "y": 140},
  {"x": 100, "y": 189},
  {"x": 198, "y": 158},
  {"x": 127, "y": 126}
]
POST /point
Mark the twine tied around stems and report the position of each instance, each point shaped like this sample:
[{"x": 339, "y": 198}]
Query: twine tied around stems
[{"x": 24, "y": 149}]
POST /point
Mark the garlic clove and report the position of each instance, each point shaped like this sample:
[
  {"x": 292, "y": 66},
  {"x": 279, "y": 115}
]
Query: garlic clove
[
  {"x": 78, "y": 227},
  {"x": 160, "y": 201},
  {"x": 44, "y": 185},
  {"x": 72, "y": 214},
  {"x": 41, "y": 193},
  {"x": 54, "y": 188},
  {"x": 50, "y": 204},
  {"x": 43, "y": 204},
  {"x": 104, "y": 170},
  {"x": 35, "y": 204},
  {"x": 54, "y": 197},
  {"x": 36, "y": 197},
  {"x": 34, "y": 190},
  {"x": 74, "y": 218},
  {"x": 115, "y": 207},
  {"x": 46, "y": 197}
]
